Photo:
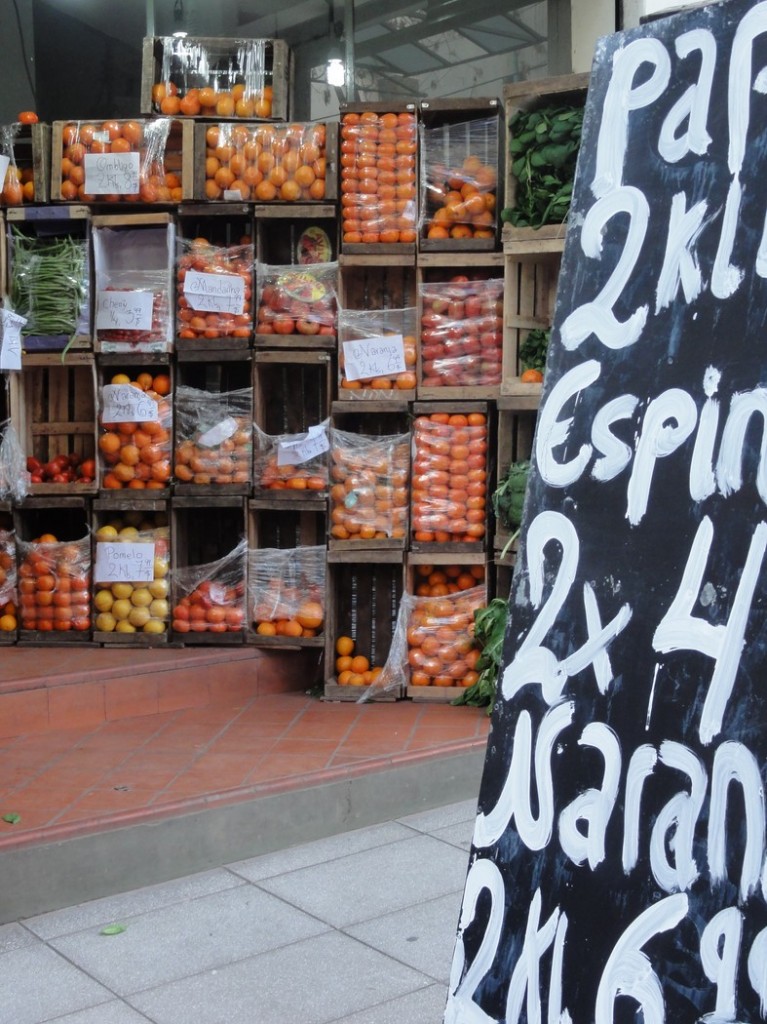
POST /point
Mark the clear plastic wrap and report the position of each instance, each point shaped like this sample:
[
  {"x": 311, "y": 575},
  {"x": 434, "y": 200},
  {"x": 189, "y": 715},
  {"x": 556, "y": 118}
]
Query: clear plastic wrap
[
  {"x": 136, "y": 302},
  {"x": 9, "y": 598},
  {"x": 461, "y": 332},
  {"x": 292, "y": 461},
  {"x": 378, "y": 177},
  {"x": 50, "y": 283},
  {"x": 369, "y": 492},
  {"x": 214, "y": 290},
  {"x": 17, "y": 183},
  {"x": 210, "y": 598},
  {"x": 212, "y": 77},
  {"x": 14, "y": 477},
  {"x": 265, "y": 163},
  {"x": 118, "y": 161},
  {"x": 286, "y": 591},
  {"x": 297, "y": 299},
  {"x": 214, "y": 436},
  {"x": 363, "y": 335},
  {"x": 449, "y": 478},
  {"x": 54, "y": 584},
  {"x": 433, "y": 642},
  {"x": 459, "y": 178},
  {"x": 122, "y": 602},
  {"x": 135, "y": 452}
]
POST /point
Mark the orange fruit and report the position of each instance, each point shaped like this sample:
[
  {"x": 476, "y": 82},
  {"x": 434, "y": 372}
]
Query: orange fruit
[
  {"x": 360, "y": 663},
  {"x": 344, "y": 645}
]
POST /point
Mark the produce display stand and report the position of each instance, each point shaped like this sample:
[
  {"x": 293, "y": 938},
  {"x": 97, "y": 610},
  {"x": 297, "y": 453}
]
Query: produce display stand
[
  {"x": 29, "y": 147},
  {"x": 362, "y": 596},
  {"x": 53, "y": 409}
]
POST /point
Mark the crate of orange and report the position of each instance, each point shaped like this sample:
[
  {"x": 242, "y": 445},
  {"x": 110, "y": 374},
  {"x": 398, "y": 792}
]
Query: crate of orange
[
  {"x": 209, "y": 600},
  {"x": 214, "y": 294},
  {"x": 377, "y": 354},
  {"x": 202, "y": 76},
  {"x": 369, "y": 493},
  {"x": 9, "y": 597},
  {"x": 135, "y": 418},
  {"x": 25, "y": 161},
  {"x": 54, "y": 583},
  {"x": 363, "y": 593},
  {"x": 291, "y": 466},
  {"x": 286, "y": 596},
  {"x": 266, "y": 163},
  {"x": 460, "y": 161},
  {"x": 53, "y": 411},
  {"x": 214, "y": 441},
  {"x": 122, "y": 161},
  {"x": 449, "y": 481},
  {"x": 378, "y": 147}
]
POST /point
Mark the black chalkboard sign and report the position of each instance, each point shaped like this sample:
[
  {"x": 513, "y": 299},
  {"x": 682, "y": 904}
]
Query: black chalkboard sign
[{"x": 618, "y": 867}]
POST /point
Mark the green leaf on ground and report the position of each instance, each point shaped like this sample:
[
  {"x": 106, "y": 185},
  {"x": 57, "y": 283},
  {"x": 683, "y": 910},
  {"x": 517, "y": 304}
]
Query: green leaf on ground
[
  {"x": 12, "y": 818},
  {"x": 112, "y": 929}
]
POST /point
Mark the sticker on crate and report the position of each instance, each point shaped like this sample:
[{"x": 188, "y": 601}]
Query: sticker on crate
[
  {"x": 136, "y": 423},
  {"x": 286, "y": 591},
  {"x": 210, "y": 598},
  {"x": 214, "y": 290},
  {"x": 214, "y": 436},
  {"x": 130, "y": 574},
  {"x": 377, "y": 351},
  {"x": 461, "y": 332},
  {"x": 54, "y": 584},
  {"x": 9, "y": 596},
  {"x": 297, "y": 300},
  {"x": 369, "y": 492}
]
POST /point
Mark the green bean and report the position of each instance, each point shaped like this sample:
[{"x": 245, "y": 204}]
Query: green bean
[{"x": 49, "y": 283}]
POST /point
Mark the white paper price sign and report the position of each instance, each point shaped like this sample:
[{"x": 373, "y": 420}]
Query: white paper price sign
[
  {"x": 122, "y": 403},
  {"x": 374, "y": 357},
  {"x": 215, "y": 293},
  {"x": 10, "y": 339},
  {"x": 312, "y": 444},
  {"x": 109, "y": 174},
  {"x": 124, "y": 562},
  {"x": 4, "y": 163},
  {"x": 218, "y": 434},
  {"x": 124, "y": 311}
]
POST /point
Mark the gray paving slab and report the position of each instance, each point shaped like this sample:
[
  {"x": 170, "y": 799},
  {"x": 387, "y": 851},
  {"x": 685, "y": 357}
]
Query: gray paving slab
[
  {"x": 129, "y": 904},
  {"x": 459, "y": 835},
  {"x": 427, "y": 1006},
  {"x": 114, "y": 1012},
  {"x": 441, "y": 817},
  {"x": 422, "y": 936},
  {"x": 315, "y": 981},
  {"x": 186, "y": 938},
  {"x": 26, "y": 1001},
  {"x": 320, "y": 851},
  {"x": 14, "y": 936},
  {"x": 374, "y": 882}
]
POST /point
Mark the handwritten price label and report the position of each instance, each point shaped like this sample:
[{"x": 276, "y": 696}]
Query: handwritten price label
[
  {"x": 10, "y": 339},
  {"x": 374, "y": 357},
  {"x": 303, "y": 449},
  {"x": 215, "y": 293},
  {"x": 124, "y": 562},
  {"x": 218, "y": 434},
  {"x": 125, "y": 311},
  {"x": 122, "y": 403},
  {"x": 112, "y": 174}
]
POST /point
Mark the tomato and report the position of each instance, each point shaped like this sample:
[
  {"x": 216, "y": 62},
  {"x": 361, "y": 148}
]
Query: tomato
[{"x": 27, "y": 117}]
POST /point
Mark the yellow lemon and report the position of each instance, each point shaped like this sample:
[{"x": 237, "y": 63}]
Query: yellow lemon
[{"x": 105, "y": 622}]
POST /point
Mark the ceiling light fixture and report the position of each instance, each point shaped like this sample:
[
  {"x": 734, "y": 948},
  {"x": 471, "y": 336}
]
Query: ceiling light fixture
[{"x": 335, "y": 73}]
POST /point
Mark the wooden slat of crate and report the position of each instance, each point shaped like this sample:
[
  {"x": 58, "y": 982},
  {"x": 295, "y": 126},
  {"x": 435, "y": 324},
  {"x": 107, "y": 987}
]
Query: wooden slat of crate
[
  {"x": 350, "y": 550},
  {"x": 530, "y": 289},
  {"x": 53, "y": 409},
  {"x": 370, "y": 407},
  {"x": 560, "y": 90},
  {"x": 296, "y": 342},
  {"x": 291, "y": 389},
  {"x": 274, "y": 523},
  {"x": 278, "y": 61},
  {"x": 362, "y": 601},
  {"x": 200, "y": 350}
]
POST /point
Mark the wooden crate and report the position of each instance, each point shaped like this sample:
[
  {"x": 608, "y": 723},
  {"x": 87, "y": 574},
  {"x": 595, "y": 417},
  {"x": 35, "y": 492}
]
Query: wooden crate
[
  {"x": 349, "y": 186},
  {"x": 451, "y": 132},
  {"x": 253, "y": 143},
  {"x": 310, "y": 322},
  {"x": 216, "y": 378},
  {"x": 296, "y": 233},
  {"x": 363, "y": 594},
  {"x": 8, "y": 577},
  {"x": 465, "y": 561},
  {"x": 140, "y": 514},
  {"x": 442, "y": 267},
  {"x": 178, "y": 60},
  {"x": 292, "y": 390},
  {"x": 202, "y": 533},
  {"x": 444, "y": 548},
  {"x": 45, "y": 222},
  {"x": 561, "y": 90},
  {"x": 53, "y": 409},
  {"x": 29, "y": 148},
  {"x": 146, "y": 184},
  {"x": 516, "y": 431},
  {"x": 66, "y": 518},
  {"x": 529, "y": 299}
]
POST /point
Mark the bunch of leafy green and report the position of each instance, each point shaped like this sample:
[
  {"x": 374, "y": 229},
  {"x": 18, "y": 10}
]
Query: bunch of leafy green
[
  {"x": 489, "y": 633},
  {"x": 544, "y": 150},
  {"x": 532, "y": 351},
  {"x": 509, "y": 498}
]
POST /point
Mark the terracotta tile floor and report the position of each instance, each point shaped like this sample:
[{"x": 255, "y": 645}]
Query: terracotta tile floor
[{"x": 69, "y": 781}]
